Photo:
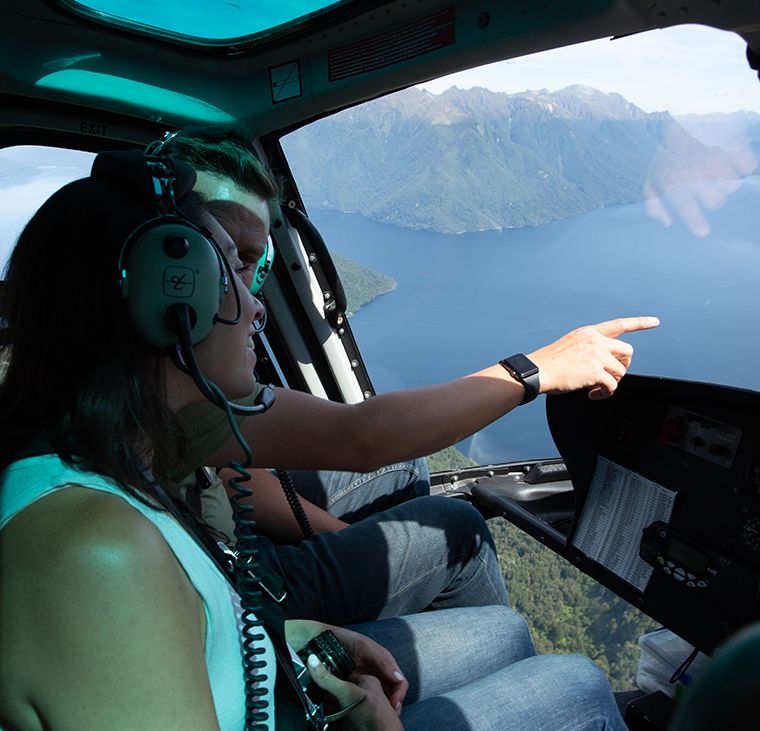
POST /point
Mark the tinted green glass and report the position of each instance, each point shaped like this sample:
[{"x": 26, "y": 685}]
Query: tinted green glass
[
  {"x": 210, "y": 20},
  {"x": 104, "y": 86}
]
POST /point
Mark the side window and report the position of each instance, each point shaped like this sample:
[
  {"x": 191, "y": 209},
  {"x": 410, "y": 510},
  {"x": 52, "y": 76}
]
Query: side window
[
  {"x": 29, "y": 175},
  {"x": 512, "y": 203}
]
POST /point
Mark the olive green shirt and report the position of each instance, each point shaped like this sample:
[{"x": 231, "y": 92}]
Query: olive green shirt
[{"x": 207, "y": 429}]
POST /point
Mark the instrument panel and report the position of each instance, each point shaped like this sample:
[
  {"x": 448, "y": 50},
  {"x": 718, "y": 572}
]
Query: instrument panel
[{"x": 666, "y": 477}]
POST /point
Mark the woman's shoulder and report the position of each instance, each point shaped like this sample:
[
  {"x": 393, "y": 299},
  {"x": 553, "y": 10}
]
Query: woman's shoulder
[
  {"x": 88, "y": 581},
  {"x": 76, "y": 545},
  {"x": 83, "y": 525}
]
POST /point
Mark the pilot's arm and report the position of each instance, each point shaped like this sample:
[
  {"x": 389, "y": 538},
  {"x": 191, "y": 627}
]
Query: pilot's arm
[{"x": 301, "y": 431}]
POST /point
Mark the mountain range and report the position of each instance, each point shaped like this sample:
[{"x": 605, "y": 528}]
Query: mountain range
[{"x": 470, "y": 160}]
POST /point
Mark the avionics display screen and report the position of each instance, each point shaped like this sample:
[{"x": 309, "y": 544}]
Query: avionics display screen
[{"x": 687, "y": 556}]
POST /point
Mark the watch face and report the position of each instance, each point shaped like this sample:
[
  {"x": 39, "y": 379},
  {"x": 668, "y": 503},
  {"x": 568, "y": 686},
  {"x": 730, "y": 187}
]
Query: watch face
[{"x": 523, "y": 367}]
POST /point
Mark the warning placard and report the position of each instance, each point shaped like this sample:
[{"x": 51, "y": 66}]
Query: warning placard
[
  {"x": 285, "y": 81},
  {"x": 400, "y": 44}
]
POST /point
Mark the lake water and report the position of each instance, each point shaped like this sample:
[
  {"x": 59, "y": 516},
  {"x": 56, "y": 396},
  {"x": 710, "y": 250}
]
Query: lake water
[{"x": 466, "y": 301}]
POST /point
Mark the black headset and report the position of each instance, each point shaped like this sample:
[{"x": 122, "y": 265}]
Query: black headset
[{"x": 172, "y": 274}]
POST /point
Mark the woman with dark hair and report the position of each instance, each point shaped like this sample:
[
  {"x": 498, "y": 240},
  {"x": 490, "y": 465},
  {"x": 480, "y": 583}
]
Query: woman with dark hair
[{"x": 112, "y": 615}]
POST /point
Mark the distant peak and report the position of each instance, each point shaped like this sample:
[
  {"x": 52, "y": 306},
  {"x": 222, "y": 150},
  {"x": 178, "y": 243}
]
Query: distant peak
[
  {"x": 584, "y": 89},
  {"x": 577, "y": 101}
]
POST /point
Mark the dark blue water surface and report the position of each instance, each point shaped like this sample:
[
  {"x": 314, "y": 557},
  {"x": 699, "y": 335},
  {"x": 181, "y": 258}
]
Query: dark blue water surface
[{"x": 466, "y": 301}]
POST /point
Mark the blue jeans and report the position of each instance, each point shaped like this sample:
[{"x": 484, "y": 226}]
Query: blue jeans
[
  {"x": 352, "y": 496},
  {"x": 427, "y": 553},
  {"x": 475, "y": 669},
  {"x": 421, "y": 553}
]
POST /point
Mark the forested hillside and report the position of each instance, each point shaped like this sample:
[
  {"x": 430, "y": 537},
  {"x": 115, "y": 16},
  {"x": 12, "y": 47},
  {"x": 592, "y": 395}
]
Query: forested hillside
[
  {"x": 361, "y": 284},
  {"x": 479, "y": 160},
  {"x": 565, "y": 609},
  {"x": 449, "y": 459}
]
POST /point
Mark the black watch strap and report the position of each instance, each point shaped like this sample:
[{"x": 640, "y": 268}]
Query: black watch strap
[{"x": 525, "y": 371}]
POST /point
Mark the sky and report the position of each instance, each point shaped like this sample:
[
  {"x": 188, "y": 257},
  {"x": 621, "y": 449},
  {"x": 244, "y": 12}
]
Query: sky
[{"x": 683, "y": 70}]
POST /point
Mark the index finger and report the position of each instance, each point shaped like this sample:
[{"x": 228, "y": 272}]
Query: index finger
[{"x": 613, "y": 328}]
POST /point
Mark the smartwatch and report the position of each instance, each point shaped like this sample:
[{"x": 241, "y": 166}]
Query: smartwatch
[{"x": 525, "y": 371}]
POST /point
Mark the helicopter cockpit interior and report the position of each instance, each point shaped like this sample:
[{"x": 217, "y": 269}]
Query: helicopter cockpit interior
[
  {"x": 654, "y": 493},
  {"x": 647, "y": 468}
]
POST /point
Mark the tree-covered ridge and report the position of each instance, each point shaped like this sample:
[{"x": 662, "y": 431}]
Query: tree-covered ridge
[
  {"x": 449, "y": 459},
  {"x": 567, "y": 611},
  {"x": 478, "y": 160},
  {"x": 361, "y": 284}
]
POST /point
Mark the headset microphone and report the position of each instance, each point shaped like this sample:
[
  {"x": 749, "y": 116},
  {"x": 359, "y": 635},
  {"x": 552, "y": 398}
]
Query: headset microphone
[{"x": 184, "y": 357}]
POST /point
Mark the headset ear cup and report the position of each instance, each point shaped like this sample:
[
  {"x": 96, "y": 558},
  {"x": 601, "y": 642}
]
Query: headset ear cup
[{"x": 165, "y": 263}]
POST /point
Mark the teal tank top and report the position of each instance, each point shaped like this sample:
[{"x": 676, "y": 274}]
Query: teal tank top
[{"x": 28, "y": 480}]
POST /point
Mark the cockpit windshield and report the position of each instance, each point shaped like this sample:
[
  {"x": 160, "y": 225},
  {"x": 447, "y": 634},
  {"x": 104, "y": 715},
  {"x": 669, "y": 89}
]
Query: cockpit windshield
[{"x": 504, "y": 205}]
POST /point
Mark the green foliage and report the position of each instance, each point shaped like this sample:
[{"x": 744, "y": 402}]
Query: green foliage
[
  {"x": 449, "y": 459},
  {"x": 360, "y": 283},
  {"x": 566, "y": 610}
]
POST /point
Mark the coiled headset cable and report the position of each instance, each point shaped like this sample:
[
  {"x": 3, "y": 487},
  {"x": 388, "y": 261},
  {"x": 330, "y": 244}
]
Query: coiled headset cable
[
  {"x": 244, "y": 564},
  {"x": 291, "y": 495},
  {"x": 246, "y": 578}
]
